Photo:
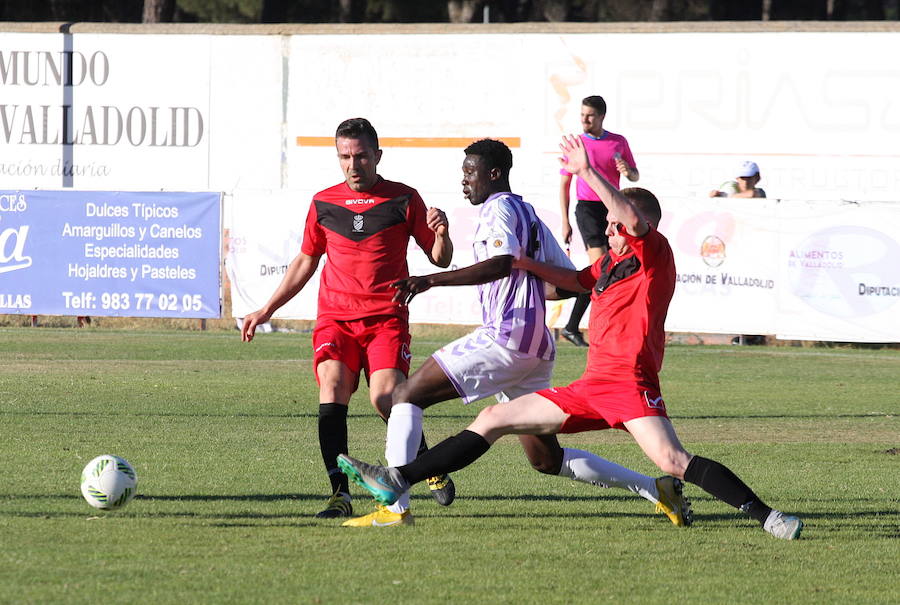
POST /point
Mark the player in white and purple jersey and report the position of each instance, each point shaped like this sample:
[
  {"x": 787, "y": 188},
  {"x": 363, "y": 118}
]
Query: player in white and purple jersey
[
  {"x": 511, "y": 354},
  {"x": 513, "y": 305}
]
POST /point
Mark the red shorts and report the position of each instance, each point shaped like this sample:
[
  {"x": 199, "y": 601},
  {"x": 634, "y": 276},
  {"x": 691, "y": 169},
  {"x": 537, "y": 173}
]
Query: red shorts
[
  {"x": 370, "y": 344},
  {"x": 594, "y": 405}
]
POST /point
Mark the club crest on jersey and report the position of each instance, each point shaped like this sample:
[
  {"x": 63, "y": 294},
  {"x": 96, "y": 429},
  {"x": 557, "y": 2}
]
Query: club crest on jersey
[
  {"x": 358, "y": 223},
  {"x": 656, "y": 403},
  {"x": 498, "y": 243}
]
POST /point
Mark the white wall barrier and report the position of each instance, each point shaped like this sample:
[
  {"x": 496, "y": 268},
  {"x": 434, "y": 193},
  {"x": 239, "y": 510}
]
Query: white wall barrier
[{"x": 249, "y": 114}]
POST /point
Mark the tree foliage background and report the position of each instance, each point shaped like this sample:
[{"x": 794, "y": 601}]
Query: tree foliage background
[{"x": 438, "y": 11}]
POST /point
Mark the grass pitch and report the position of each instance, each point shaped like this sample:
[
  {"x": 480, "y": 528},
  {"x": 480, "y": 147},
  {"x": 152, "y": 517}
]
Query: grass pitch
[{"x": 223, "y": 437}]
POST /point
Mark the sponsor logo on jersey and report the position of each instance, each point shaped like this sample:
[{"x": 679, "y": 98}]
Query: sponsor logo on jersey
[
  {"x": 656, "y": 403},
  {"x": 358, "y": 201},
  {"x": 323, "y": 345},
  {"x": 405, "y": 354}
]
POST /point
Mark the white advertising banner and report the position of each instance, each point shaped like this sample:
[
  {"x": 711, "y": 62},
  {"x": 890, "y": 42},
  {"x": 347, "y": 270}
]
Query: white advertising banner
[
  {"x": 87, "y": 111},
  {"x": 264, "y": 236},
  {"x": 839, "y": 272},
  {"x": 692, "y": 105},
  {"x": 266, "y": 233},
  {"x": 799, "y": 270},
  {"x": 725, "y": 253},
  {"x": 130, "y": 112}
]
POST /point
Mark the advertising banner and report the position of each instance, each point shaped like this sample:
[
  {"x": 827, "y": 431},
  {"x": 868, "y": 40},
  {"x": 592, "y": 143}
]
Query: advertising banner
[
  {"x": 838, "y": 270},
  {"x": 690, "y": 105},
  {"x": 132, "y": 254},
  {"x": 798, "y": 270},
  {"x": 265, "y": 236},
  {"x": 112, "y": 111},
  {"x": 90, "y": 111},
  {"x": 725, "y": 253}
]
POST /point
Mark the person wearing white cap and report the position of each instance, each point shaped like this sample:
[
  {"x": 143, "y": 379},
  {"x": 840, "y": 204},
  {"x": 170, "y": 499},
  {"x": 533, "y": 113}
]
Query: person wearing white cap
[{"x": 744, "y": 185}]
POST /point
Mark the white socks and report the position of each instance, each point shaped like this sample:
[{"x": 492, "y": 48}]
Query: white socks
[
  {"x": 590, "y": 468},
  {"x": 404, "y": 434}
]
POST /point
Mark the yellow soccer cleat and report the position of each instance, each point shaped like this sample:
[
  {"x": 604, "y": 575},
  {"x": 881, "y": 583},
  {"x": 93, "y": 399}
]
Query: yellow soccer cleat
[
  {"x": 672, "y": 502},
  {"x": 442, "y": 489},
  {"x": 382, "y": 517},
  {"x": 338, "y": 506}
]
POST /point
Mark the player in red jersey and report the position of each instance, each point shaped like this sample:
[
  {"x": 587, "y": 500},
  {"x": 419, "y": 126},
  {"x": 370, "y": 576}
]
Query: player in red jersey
[
  {"x": 363, "y": 226},
  {"x": 631, "y": 288}
]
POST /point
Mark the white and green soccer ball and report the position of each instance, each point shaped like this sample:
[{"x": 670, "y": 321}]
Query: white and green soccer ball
[{"x": 108, "y": 482}]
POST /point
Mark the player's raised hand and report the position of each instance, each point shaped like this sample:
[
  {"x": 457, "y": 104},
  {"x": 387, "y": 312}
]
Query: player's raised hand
[
  {"x": 409, "y": 287},
  {"x": 437, "y": 221},
  {"x": 574, "y": 157}
]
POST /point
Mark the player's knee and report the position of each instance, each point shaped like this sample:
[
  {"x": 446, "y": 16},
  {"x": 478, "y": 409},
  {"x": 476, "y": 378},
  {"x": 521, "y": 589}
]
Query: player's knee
[
  {"x": 401, "y": 393},
  {"x": 542, "y": 457},
  {"x": 545, "y": 464},
  {"x": 673, "y": 462},
  {"x": 491, "y": 415},
  {"x": 382, "y": 406},
  {"x": 490, "y": 423}
]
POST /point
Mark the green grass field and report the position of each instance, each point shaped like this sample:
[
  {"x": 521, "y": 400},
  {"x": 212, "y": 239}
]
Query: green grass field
[{"x": 223, "y": 437}]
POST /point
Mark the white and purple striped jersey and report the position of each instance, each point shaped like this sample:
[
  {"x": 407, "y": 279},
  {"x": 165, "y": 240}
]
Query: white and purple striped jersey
[{"x": 513, "y": 308}]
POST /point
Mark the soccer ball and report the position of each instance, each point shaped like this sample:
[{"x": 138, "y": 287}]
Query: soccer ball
[{"x": 108, "y": 482}]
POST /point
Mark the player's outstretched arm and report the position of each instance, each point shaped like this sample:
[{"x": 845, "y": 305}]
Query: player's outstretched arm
[
  {"x": 442, "y": 252},
  {"x": 486, "y": 271},
  {"x": 561, "y": 277},
  {"x": 298, "y": 273},
  {"x": 575, "y": 160}
]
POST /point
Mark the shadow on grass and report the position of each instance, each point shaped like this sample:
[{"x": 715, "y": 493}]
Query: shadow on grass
[
  {"x": 821, "y": 526},
  {"x": 464, "y": 418},
  {"x": 320, "y": 498}
]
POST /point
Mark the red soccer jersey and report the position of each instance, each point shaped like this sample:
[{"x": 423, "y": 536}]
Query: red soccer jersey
[
  {"x": 630, "y": 297},
  {"x": 365, "y": 235}
]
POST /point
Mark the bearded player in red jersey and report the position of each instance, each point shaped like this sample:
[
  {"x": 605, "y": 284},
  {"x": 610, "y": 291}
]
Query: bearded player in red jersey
[
  {"x": 363, "y": 226},
  {"x": 631, "y": 287}
]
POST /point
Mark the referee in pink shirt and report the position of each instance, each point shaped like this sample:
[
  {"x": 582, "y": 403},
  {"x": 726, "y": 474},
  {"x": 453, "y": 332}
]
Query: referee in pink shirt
[{"x": 610, "y": 155}]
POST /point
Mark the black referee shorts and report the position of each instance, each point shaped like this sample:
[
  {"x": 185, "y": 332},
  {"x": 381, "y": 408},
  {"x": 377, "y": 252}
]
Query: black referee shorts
[{"x": 591, "y": 220}]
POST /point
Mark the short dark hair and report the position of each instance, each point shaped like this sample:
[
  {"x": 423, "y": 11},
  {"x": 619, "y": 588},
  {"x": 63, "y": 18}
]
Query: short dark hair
[
  {"x": 494, "y": 154},
  {"x": 646, "y": 203},
  {"x": 597, "y": 102},
  {"x": 357, "y": 128}
]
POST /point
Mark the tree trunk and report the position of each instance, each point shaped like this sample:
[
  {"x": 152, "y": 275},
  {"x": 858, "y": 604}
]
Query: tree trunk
[
  {"x": 158, "y": 11},
  {"x": 660, "y": 10},
  {"x": 462, "y": 11},
  {"x": 554, "y": 10}
]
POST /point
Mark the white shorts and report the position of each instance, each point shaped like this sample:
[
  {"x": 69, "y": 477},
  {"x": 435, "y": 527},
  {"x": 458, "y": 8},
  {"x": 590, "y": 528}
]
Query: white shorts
[{"x": 478, "y": 367}]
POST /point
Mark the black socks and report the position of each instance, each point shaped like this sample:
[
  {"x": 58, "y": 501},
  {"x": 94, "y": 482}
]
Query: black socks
[
  {"x": 719, "y": 481},
  {"x": 333, "y": 441},
  {"x": 582, "y": 301},
  {"x": 451, "y": 454}
]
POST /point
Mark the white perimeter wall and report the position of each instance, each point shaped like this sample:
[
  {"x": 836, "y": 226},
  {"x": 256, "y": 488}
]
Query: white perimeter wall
[{"x": 819, "y": 112}]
